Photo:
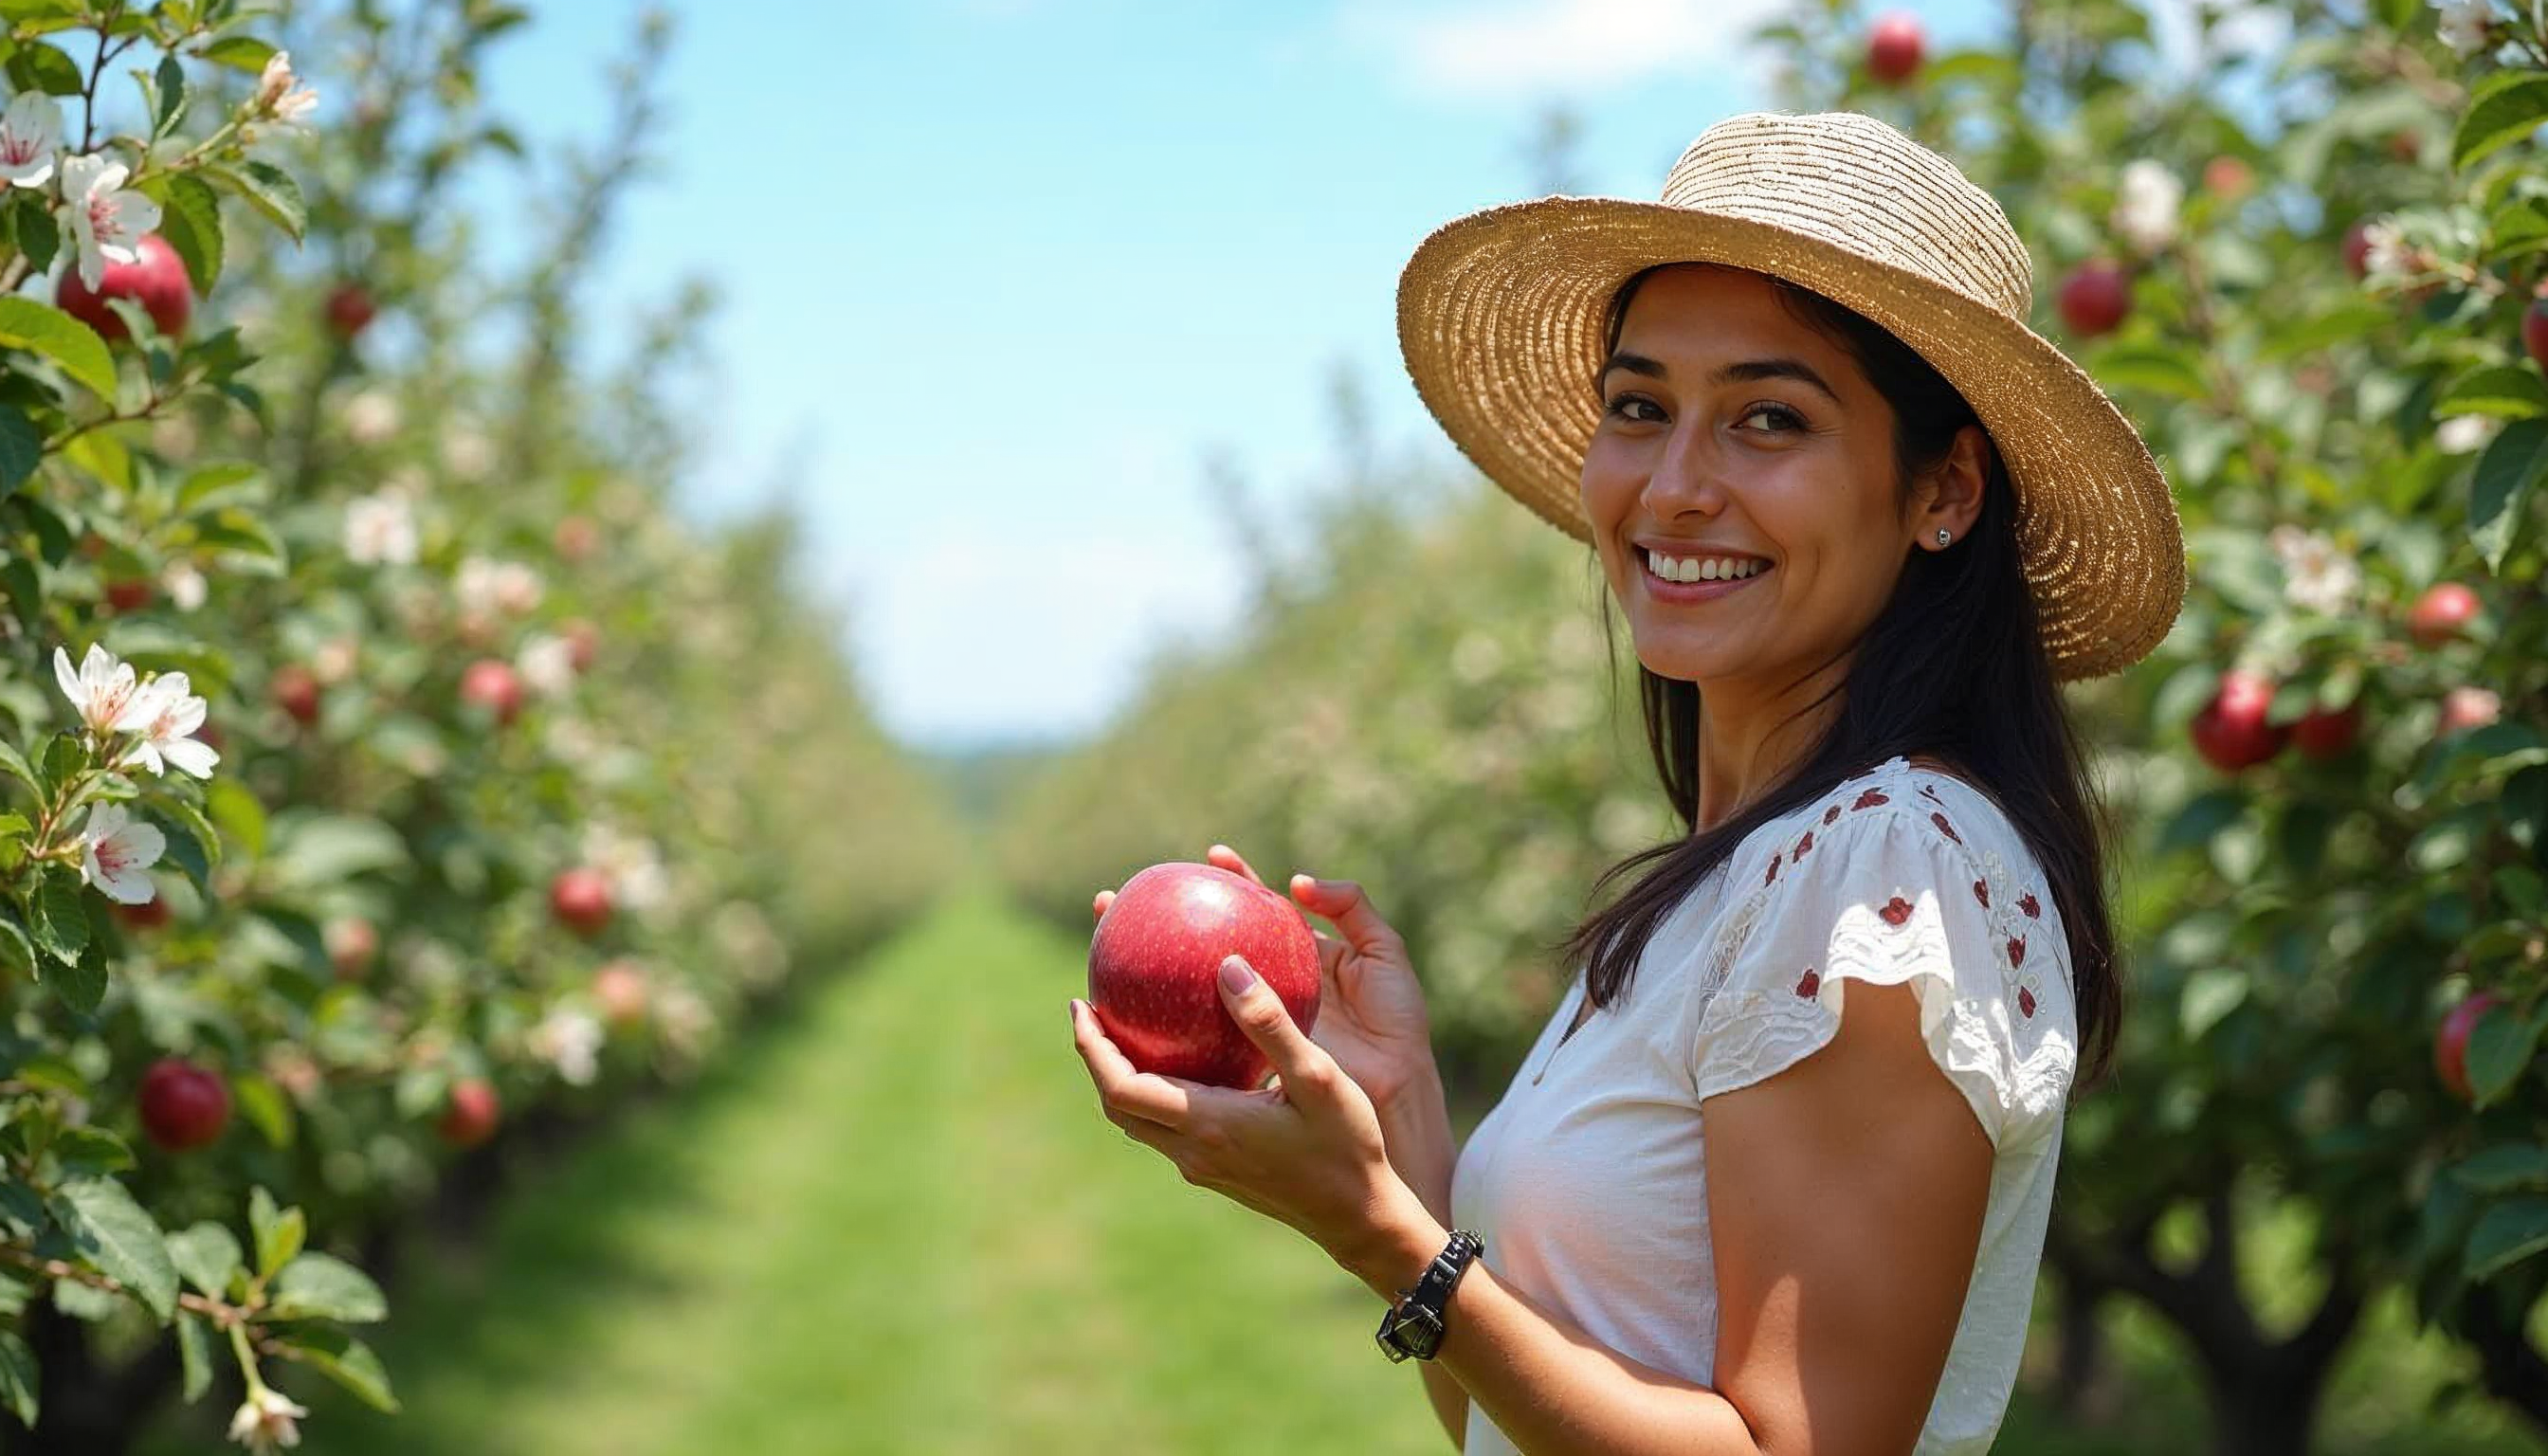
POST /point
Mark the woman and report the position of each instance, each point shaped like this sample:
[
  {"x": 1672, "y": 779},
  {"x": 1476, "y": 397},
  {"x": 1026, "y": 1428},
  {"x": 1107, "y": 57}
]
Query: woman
[{"x": 1775, "y": 1177}]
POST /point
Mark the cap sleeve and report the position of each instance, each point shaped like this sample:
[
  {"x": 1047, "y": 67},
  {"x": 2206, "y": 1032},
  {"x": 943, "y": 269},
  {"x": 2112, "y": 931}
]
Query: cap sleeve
[{"x": 1893, "y": 893}]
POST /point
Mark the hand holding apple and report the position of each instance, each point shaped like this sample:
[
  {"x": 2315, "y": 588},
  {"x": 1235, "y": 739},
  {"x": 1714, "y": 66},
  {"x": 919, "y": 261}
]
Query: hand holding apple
[{"x": 1159, "y": 948}]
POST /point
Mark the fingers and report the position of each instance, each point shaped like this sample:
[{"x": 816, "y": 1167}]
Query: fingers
[
  {"x": 1303, "y": 1065},
  {"x": 1223, "y": 857},
  {"x": 1166, "y": 1101},
  {"x": 1343, "y": 902},
  {"x": 1104, "y": 899}
]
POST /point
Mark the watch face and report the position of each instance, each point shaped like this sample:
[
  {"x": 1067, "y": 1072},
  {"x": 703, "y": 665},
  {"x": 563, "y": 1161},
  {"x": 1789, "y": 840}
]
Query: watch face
[{"x": 1421, "y": 1333}]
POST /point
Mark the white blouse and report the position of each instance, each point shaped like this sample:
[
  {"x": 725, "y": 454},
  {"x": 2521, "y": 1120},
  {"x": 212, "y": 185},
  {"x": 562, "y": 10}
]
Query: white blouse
[{"x": 1588, "y": 1179}]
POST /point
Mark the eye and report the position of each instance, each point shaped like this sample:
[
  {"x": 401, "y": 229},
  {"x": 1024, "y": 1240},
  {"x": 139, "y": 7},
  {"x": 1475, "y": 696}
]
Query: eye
[
  {"x": 1788, "y": 419},
  {"x": 1625, "y": 403}
]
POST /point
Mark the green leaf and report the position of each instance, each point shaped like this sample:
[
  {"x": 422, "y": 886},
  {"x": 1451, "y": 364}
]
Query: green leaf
[
  {"x": 17, "y": 953},
  {"x": 2503, "y": 390},
  {"x": 240, "y": 53},
  {"x": 22, "y": 448},
  {"x": 323, "y": 1287},
  {"x": 239, "y": 814},
  {"x": 270, "y": 190},
  {"x": 2153, "y": 367},
  {"x": 44, "y": 329},
  {"x": 190, "y": 218},
  {"x": 279, "y": 1233},
  {"x": 15, "y": 764},
  {"x": 44, "y": 69},
  {"x": 19, "y": 1380},
  {"x": 61, "y": 921},
  {"x": 2500, "y": 1047},
  {"x": 321, "y": 847},
  {"x": 91, "y": 1151},
  {"x": 243, "y": 538},
  {"x": 2504, "y": 108},
  {"x": 223, "y": 482},
  {"x": 2505, "y": 475},
  {"x": 171, "y": 86},
  {"x": 207, "y": 1255},
  {"x": 194, "y": 1353},
  {"x": 262, "y": 1103},
  {"x": 2505, "y": 1235},
  {"x": 348, "y": 1362},
  {"x": 113, "y": 1232},
  {"x": 39, "y": 236}
]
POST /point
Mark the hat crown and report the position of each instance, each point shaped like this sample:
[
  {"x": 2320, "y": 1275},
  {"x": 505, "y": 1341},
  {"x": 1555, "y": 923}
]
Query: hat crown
[{"x": 1863, "y": 186}]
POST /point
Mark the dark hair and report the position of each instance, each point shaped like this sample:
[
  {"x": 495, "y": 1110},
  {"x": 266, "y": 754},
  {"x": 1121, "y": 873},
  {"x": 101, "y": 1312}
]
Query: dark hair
[{"x": 1952, "y": 668}]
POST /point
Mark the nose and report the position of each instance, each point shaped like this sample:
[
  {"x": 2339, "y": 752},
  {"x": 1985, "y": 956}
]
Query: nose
[{"x": 1685, "y": 477}]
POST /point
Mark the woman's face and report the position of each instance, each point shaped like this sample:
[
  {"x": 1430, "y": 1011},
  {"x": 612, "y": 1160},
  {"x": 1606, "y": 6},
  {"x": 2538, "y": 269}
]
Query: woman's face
[{"x": 1729, "y": 428}]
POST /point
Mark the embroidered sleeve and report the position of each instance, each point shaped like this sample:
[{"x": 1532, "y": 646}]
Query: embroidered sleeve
[{"x": 1892, "y": 892}]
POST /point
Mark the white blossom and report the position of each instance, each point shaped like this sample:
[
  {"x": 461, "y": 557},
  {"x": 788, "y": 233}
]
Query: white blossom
[
  {"x": 2315, "y": 574},
  {"x": 276, "y": 96},
  {"x": 2145, "y": 205},
  {"x": 28, "y": 132},
  {"x": 2465, "y": 25},
  {"x": 186, "y": 586},
  {"x": 370, "y": 417},
  {"x": 468, "y": 454},
  {"x": 264, "y": 1420},
  {"x": 105, "y": 693},
  {"x": 108, "y": 218},
  {"x": 168, "y": 730},
  {"x": 570, "y": 1039},
  {"x": 487, "y": 586},
  {"x": 547, "y": 663},
  {"x": 2462, "y": 433},
  {"x": 635, "y": 868},
  {"x": 2385, "y": 248},
  {"x": 114, "y": 851},
  {"x": 380, "y": 528}
]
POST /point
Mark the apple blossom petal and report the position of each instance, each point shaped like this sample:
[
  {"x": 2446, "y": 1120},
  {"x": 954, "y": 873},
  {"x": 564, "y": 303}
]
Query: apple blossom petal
[
  {"x": 193, "y": 756},
  {"x": 65, "y": 675}
]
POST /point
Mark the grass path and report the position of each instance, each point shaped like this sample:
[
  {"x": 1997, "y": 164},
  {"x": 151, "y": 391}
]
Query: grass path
[{"x": 901, "y": 1228}]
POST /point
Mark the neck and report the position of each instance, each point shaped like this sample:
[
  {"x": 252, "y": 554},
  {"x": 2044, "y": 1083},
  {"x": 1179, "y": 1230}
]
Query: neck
[{"x": 1752, "y": 735}]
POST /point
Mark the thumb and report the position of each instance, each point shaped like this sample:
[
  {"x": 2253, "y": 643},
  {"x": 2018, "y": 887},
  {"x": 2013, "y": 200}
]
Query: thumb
[{"x": 1269, "y": 1022}]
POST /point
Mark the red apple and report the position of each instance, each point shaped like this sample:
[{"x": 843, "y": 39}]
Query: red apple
[
  {"x": 2440, "y": 613},
  {"x": 472, "y": 1114},
  {"x": 150, "y": 914},
  {"x": 349, "y": 309},
  {"x": 2450, "y": 1043},
  {"x": 2227, "y": 177},
  {"x": 621, "y": 991},
  {"x": 2320, "y": 734},
  {"x": 492, "y": 683},
  {"x": 157, "y": 282},
  {"x": 581, "y": 899},
  {"x": 1154, "y": 969},
  {"x": 183, "y": 1105},
  {"x": 2464, "y": 708},
  {"x": 2534, "y": 331},
  {"x": 352, "y": 942},
  {"x": 2095, "y": 298},
  {"x": 2231, "y": 732},
  {"x": 1893, "y": 47},
  {"x": 130, "y": 595},
  {"x": 2405, "y": 145},
  {"x": 296, "y": 688},
  {"x": 576, "y": 538},
  {"x": 2357, "y": 248}
]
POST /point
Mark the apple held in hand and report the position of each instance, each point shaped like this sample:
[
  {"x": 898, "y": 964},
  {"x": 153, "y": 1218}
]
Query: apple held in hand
[{"x": 1154, "y": 969}]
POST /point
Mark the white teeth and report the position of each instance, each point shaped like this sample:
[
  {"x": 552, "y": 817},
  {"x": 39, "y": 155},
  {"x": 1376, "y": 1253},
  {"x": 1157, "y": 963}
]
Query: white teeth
[{"x": 1699, "y": 569}]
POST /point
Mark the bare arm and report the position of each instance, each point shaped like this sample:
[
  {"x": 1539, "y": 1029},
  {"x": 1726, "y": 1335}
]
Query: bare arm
[
  {"x": 1417, "y": 1125},
  {"x": 1842, "y": 1191}
]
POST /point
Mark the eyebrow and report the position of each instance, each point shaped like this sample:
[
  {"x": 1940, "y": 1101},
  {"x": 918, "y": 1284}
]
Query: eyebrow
[{"x": 1743, "y": 372}]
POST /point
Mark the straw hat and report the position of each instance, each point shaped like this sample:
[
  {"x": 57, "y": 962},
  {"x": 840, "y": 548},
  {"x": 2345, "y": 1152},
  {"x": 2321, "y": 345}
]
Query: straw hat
[{"x": 1500, "y": 316}]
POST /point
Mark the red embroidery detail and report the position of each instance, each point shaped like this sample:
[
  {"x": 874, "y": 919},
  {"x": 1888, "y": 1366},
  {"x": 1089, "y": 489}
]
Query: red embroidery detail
[
  {"x": 1940, "y": 821},
  {"x": 1870, "y": 800},
  {"x": 2026, "y": 1001},
  {"x": 1773, "y": 870},
  {"x": 1982, "y": 892},
  {"x": 2017, "y": 951},
  {"x": 1929, "y": 792},
  {"x": 1812, "y": 985},
  {"x": 1831, "y": 815},
  {"x": 1896, "y": 910},
  {"x": 2033, "y": 910},
  {"x": 1804, "y": 844}
]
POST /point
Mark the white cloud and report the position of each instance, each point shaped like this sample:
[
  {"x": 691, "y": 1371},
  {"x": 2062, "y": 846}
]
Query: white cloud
[{"x": 1548, "y": 44}]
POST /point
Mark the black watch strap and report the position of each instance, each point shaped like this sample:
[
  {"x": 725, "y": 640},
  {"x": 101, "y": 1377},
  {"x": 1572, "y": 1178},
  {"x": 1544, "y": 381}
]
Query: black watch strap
[{"x": 1414, "y": 1324}]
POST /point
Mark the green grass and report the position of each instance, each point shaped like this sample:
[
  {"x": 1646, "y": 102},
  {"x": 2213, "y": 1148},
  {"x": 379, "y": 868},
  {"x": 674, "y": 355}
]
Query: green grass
[{"x": 895, "y": 1222}]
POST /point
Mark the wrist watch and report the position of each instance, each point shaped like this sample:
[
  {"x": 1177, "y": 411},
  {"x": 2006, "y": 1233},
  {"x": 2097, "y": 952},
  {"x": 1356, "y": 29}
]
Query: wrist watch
[{"x": 1413, "y": 1325}]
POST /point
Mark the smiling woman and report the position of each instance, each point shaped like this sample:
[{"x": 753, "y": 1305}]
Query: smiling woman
[{"x": 1776, "y": 1174}]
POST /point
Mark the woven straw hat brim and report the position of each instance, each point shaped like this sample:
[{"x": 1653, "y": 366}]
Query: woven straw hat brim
[{"x": 1501, "y": 317}]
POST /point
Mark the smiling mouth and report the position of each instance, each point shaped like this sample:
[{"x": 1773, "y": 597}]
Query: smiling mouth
[{"x": 1684, "y": 586}]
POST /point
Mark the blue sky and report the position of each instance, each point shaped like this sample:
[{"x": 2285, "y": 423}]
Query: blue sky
[{"x": 997, "y": 274}]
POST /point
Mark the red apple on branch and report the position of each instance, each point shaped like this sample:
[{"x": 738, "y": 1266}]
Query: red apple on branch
[
  {"x": 620, "y": 989},
  {"x": 2440, "y": 613},
  {"x": 491, "y": 683},
  {"x": 349, "y": 309},
  {"x": 2095, "y": 298},
  {"x": 1154, "y": 969},
  {"x": 2322, "y": 734},
  {"x": 351, "y": 944},
  {"x": 131, "y": 594},
  {"x": 296, "y": 690},
  {"x": 1893, "y": 48},
  {"x": 470, "y": 1115},
  {"x": 2534, "y": 331},
  {"x": 150, "y": 914},
  {"x": 2231, "y": 732},
  {"x": 183, "y": 1105},
  {"x": 2450, "y": 1043},
  {"x": 157, "y": 281},
  {"x": 581, "y": 899}
]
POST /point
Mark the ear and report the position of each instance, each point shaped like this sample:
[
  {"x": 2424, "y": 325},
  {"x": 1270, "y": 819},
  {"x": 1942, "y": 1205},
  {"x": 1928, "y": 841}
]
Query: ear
[{"x": 1950, "y": 493}]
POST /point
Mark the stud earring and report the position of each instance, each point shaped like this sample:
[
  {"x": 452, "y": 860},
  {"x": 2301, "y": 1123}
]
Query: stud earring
[{"x": 1944, "y": 537}]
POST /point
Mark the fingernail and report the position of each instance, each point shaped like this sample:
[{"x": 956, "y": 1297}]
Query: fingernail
[
  {"x": 1236, "y": 977},
  {"x": 1074, "y": 1010}
]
